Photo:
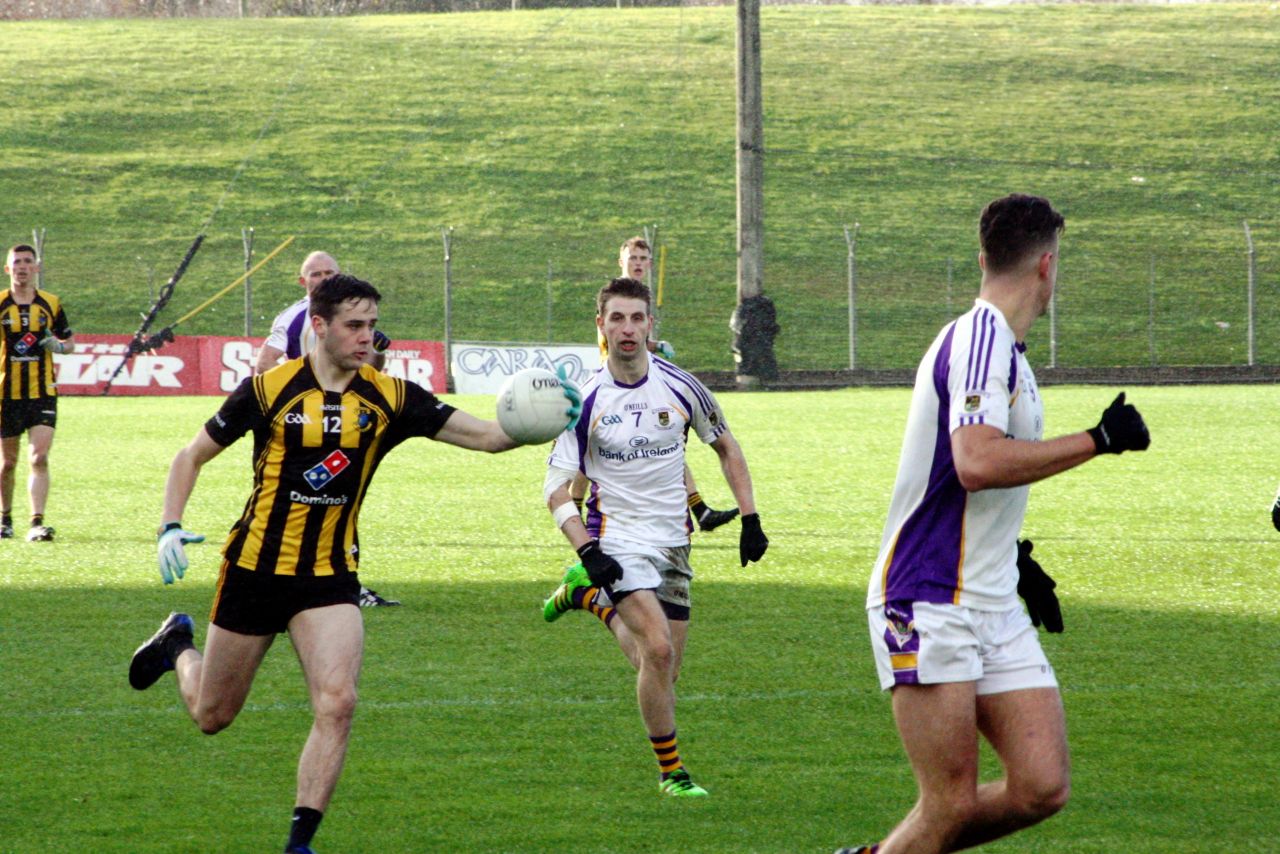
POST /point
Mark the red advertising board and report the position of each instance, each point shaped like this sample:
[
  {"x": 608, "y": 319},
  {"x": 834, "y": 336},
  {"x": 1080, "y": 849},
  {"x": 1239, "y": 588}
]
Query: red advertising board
[{"x": 209, "y": 364}]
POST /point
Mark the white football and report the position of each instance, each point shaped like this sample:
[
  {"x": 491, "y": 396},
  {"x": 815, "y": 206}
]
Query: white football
[{"x": 532, "y": 406}]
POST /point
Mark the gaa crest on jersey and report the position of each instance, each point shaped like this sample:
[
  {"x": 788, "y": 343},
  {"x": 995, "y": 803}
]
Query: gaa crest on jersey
[
  {"x": 319, "y": 475},
  {"x": 24, "y": 344}
]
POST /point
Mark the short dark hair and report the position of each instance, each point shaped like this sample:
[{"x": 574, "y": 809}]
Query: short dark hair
[
  {"x": 335, "y": 290},
  {"x": 623, "y": 287},
  {"x": 1013, "y": 227},
  {"x": 23, "y": 247}
]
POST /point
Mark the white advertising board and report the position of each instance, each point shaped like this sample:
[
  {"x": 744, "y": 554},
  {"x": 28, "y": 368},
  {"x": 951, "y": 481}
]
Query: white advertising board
[{"x": 481, "y": 367}]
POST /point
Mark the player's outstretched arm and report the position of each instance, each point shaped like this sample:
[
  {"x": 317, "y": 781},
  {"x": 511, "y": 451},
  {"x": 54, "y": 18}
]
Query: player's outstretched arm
[
  {"x": 183, "y": 473},
  {"x": 475, "y": 434}
]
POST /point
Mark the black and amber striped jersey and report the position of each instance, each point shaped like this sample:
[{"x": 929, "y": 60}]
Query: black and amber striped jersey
[
  {"x": 314, "y": 453},
  {"x": 26, "y": 368}
]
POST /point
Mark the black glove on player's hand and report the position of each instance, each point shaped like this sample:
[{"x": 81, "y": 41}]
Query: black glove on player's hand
[
  {"x": 601, "y": 569},
  {"x": 1121, "y": 429},
  {"x": 752, "y": 542},
  {"x": 1036, "y": 589}
]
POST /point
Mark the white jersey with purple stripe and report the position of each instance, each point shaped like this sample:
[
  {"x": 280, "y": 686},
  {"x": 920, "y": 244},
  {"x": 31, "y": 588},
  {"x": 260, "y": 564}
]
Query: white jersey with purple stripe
[
  {"x": 288, "y": 327},
  {"x": 630, "y": 442},
  {"x": 942, "y": 544}
]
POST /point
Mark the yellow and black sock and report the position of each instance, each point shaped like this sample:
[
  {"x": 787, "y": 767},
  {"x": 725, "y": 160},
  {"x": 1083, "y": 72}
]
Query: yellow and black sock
[
  {"x": 585, "y": 598},
  {"x": 664, "y": 747},
  {"x": 37, "y": 519}
]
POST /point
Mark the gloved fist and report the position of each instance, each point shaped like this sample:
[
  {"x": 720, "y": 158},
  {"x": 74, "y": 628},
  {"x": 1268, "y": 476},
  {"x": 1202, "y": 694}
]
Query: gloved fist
[
  {"x": 1036, "y": 589},
  {"x": 52, "y": 344},
  {"x": 170, "y": 551},
  {"x": 380, "y": 341},
  {"x": 1121, "y": 429},
  {"x": 572, "y": 392},
  {"x": 752, "y": 542},
  {"x": 603, "y": 570}
]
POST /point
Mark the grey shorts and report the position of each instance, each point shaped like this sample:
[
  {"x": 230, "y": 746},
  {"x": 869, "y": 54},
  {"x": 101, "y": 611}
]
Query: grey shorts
[{"x": 663, "y": 569}]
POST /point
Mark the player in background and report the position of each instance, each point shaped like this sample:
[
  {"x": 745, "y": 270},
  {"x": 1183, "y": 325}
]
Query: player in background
[
  {"x": 320, "y": 425},
  {"x": 635, "y": 258},
  {"x": 33, "y": 326},
  {"x": 949, "y": 639},
  {"x": 634, "y": 546},
  {"x": 289, "y": 339}
]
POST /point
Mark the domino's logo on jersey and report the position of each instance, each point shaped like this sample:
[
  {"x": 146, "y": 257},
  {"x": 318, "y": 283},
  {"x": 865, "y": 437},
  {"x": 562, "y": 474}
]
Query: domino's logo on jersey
[
  {"x": 25, "y": 344},
  {"x": 319, "y": 475}
]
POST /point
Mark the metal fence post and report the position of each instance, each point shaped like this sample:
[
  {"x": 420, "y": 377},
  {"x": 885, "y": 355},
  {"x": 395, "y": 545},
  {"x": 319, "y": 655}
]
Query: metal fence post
[
  {"x": 550, "y": 311},
  {"x": 651, "y": 237},
  {"x": 1151, "y": 311},
  {"x": 1053, "y": 329},
  {"x": 246, "y": 236},
  {"x": 37, "y": 238},
  {"x": 1253, "y": 279},
  {"x": 951, "y": 275},
  {"x": 851, "y": 243},
  {"x": 447, "y": 234}
]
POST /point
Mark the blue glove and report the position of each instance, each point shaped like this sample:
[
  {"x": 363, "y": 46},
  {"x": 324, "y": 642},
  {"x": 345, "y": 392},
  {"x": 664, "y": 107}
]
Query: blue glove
[
  {"x": 170, "y": 552},
  {"x": 573, "y": 393}
]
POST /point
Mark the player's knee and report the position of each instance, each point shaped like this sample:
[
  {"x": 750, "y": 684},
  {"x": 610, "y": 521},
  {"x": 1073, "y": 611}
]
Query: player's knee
[
  {"x": 39, "y": 459},
  {"x": 337, "y": 705},
  {"x": 660, "y": 655},
  {"x": 213, "y": 721},
  {"x": 1046, "y": 797}
]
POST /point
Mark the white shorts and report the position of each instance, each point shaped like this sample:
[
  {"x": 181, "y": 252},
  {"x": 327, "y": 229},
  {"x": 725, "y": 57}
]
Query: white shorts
[
  {"x": 664, "y": 570},
  {"x": 920, "y": 643}
]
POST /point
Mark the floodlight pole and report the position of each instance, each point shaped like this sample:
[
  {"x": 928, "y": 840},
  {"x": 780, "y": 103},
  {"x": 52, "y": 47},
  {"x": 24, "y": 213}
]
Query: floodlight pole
[
  {"x": 447, "y": 234},
  {"x": 246, "y": 236},
  {"x": 754, "y": 320}
]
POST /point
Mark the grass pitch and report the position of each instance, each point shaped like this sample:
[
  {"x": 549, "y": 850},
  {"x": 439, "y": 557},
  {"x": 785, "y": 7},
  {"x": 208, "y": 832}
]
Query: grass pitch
[{"x": 481, "y": 728}]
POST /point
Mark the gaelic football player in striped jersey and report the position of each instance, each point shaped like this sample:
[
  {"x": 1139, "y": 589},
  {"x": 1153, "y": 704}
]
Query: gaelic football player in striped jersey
[
  {"x": 321, "y": 424},
  {"x": 33, "y": 326}
]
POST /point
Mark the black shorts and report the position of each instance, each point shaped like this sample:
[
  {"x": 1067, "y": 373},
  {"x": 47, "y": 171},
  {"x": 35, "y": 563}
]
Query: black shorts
[
  {"x": 18, "y": 416},
  {"x": 256, "y": 603}
]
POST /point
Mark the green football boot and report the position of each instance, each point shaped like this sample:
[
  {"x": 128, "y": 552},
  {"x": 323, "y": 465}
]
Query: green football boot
[
  {"x": 678, "y": 785},
  {"x": 560, "y": 602}
]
